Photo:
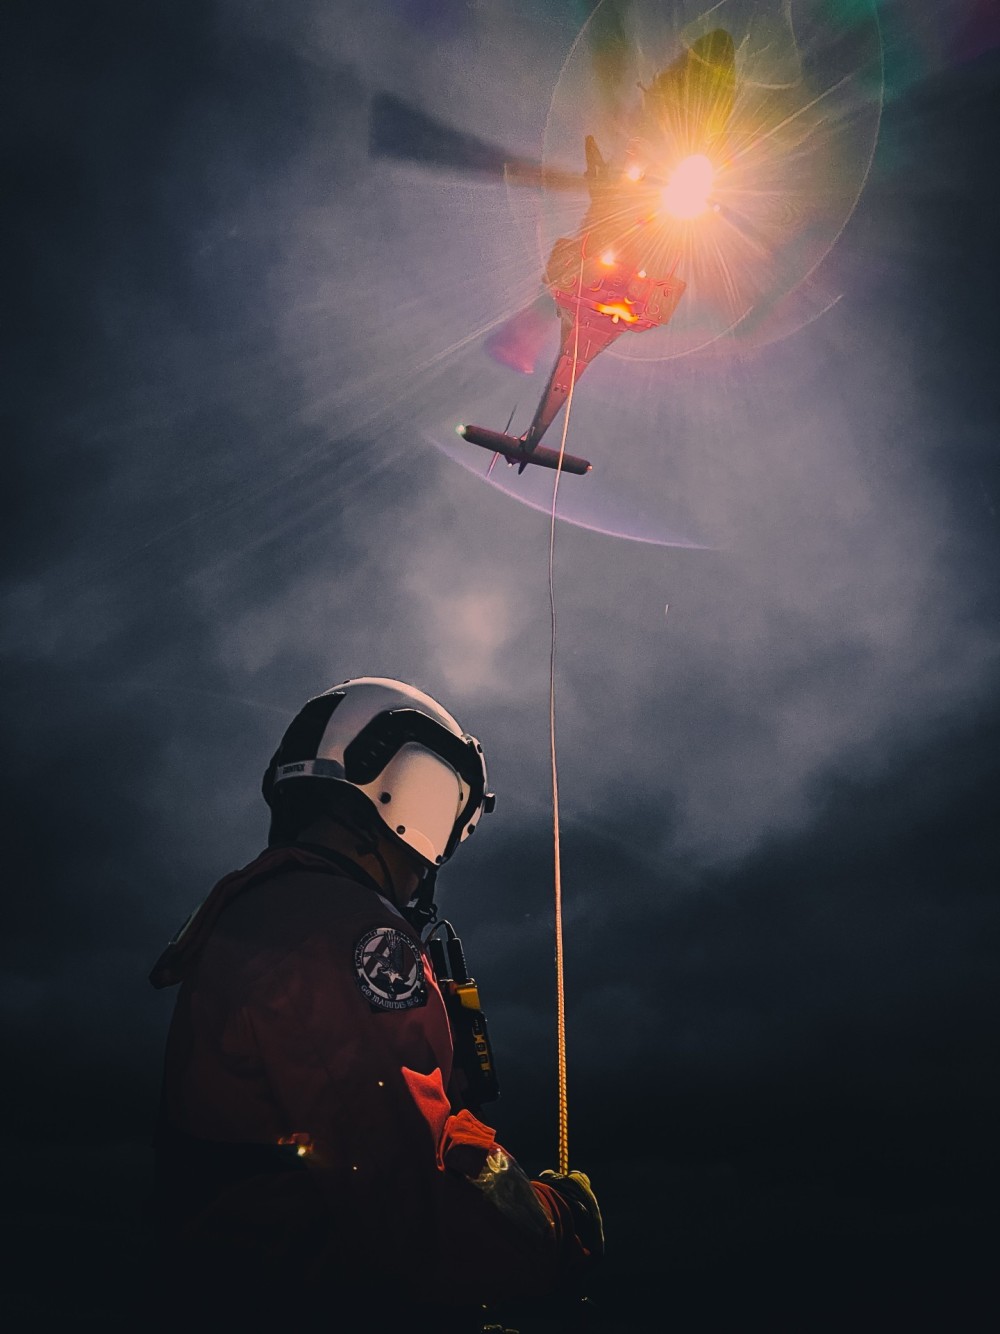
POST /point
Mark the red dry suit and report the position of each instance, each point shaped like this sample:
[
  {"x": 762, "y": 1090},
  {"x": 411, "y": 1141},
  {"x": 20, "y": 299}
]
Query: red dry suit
[{"x": 310, "y": 1128}]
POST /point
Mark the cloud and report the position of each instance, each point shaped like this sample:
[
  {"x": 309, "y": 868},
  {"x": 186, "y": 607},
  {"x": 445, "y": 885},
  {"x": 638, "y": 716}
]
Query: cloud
[{"x": 777, "y": 801}]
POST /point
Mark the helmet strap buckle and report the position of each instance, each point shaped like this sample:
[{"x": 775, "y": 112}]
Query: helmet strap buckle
[{"x": 421, "y": 911}]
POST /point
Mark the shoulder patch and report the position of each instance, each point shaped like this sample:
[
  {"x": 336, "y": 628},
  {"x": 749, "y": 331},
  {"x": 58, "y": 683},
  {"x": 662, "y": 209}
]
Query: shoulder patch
[{"x": 389, "y": 970}]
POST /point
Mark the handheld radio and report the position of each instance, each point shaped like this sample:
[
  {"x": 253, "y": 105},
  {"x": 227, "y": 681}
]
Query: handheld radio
[{"x": 473, "y": 1052}]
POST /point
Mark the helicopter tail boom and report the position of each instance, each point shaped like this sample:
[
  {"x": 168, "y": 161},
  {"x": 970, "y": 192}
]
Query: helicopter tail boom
[{"x": 514, "y": 450}]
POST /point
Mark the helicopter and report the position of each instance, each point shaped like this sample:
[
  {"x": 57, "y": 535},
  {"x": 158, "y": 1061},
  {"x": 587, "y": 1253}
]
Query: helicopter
[{"x": 618, "y": 273}]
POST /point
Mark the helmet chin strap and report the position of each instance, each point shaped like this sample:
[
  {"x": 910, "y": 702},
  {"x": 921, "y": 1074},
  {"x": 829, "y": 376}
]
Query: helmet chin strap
[
  {"x": 421, "y": 911},
  {"x": 367, "y": 846}
]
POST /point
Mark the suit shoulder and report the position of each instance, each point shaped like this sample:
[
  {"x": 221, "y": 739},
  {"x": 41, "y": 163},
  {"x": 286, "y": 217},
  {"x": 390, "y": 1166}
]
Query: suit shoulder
[{"x": 296, "y": 905}]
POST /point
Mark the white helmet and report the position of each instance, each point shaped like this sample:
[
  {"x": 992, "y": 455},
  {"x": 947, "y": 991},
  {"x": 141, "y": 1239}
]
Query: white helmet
[{"x": 413, "y": 766}]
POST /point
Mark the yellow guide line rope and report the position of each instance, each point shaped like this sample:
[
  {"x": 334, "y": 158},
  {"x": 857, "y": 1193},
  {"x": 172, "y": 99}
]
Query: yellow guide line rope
[{"x": 560, "y": 976}]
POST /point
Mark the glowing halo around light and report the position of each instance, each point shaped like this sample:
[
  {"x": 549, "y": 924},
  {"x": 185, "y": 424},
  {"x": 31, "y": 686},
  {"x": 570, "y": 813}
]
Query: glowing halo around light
[
  {"x": 664, "y": 428},
  {"x": 749, "y": 219}
]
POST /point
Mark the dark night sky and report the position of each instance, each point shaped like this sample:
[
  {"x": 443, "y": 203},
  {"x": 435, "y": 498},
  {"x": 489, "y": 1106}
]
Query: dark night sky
[{"x": 230, "y": 338}]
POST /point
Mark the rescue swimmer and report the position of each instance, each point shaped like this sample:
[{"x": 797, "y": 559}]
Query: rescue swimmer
[{"x": 319, "y": 1145}]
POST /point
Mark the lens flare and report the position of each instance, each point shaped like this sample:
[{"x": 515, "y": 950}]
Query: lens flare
[
  {"x": 686, "y": 193},
  {"x": 757, "y": 135}
]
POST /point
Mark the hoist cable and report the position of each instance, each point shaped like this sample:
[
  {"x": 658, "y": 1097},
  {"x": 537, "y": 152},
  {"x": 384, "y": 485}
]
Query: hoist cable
[{"x": 560, "y": 974}]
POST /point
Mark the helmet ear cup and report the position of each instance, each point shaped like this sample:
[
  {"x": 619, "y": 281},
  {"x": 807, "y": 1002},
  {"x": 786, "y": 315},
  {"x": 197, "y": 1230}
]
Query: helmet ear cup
[
  {"x": 298, "y": 803},
  {"x": 294, "y": 806}
]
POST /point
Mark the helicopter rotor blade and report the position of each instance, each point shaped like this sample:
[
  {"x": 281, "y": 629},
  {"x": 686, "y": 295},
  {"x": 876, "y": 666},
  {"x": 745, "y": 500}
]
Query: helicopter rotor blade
[
  {"x": 397, "y": 129},
  {"x": 610, "y": 49}
]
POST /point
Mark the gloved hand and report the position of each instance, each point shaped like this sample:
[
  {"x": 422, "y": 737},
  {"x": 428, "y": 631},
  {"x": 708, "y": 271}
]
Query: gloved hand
[{"x": 575, "y": 1190}]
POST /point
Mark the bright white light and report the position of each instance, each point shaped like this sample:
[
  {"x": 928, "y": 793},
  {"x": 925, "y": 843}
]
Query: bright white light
[{"x": 686, "y": 193}]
